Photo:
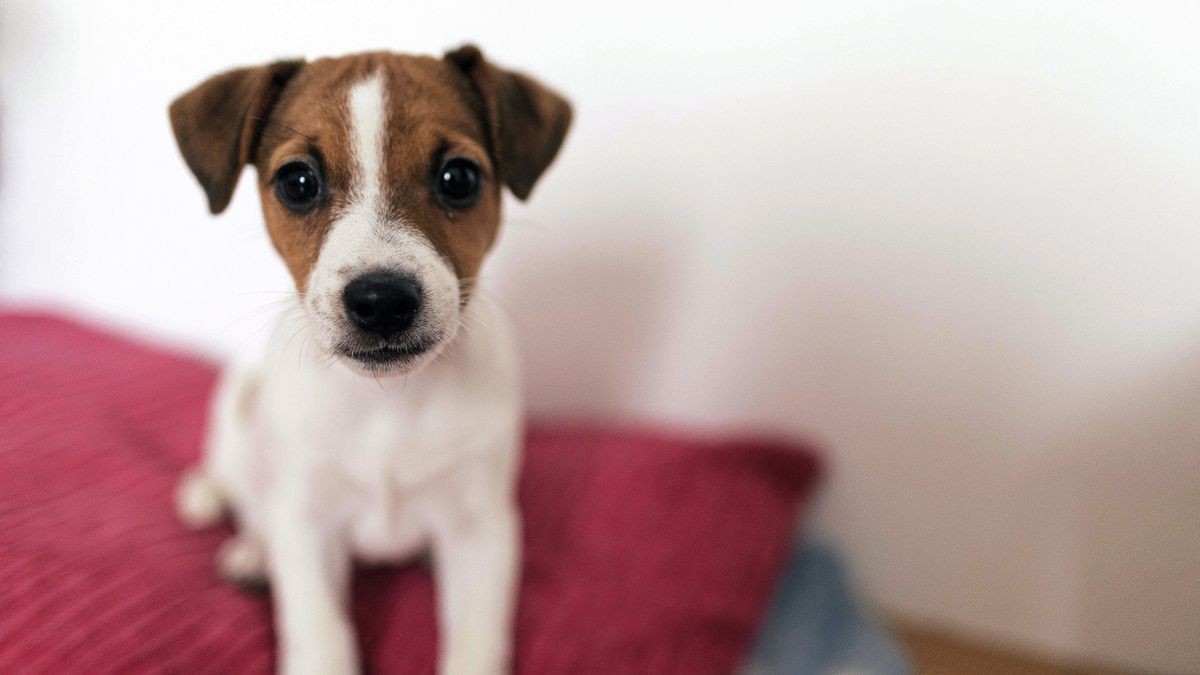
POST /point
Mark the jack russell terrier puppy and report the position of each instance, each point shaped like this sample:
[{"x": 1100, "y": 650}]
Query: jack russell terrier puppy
[{"x": 385, "y": 419}]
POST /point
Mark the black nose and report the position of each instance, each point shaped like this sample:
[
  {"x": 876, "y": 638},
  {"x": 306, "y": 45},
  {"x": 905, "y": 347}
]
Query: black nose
[{"x": 382, "y": 303}]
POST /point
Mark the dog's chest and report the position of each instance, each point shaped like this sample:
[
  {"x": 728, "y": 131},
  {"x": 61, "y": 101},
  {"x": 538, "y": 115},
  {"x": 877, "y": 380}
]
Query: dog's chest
[
  {"x": 365, "y": 459},
  {"x": 375, "y": 489},
  {"x": 378, "y": 459}
]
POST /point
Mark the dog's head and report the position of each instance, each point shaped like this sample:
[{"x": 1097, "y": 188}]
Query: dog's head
[{"x": 380, "y": 180}]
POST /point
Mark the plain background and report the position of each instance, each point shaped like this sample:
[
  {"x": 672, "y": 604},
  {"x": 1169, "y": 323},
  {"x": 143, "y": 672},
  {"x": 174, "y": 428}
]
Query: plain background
[{"x": 954, "y": 242}]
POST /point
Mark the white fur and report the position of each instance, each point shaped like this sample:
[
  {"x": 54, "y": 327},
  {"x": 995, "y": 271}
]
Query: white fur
[
  {"x": 198, "y": 500},
  {"x": 363, "y": 238},
  {"x": 321, "y": 463}
]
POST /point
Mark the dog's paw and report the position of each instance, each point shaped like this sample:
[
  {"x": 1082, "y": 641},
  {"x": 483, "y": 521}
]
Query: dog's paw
[
  {"x": 242, "y": 562},
  {"x": 198, "y": 500}
]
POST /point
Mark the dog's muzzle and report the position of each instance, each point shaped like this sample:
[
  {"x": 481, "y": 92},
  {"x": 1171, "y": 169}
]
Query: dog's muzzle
[
  {"x": 382, "y": 303},
  {"x": 383, "y": 307}
]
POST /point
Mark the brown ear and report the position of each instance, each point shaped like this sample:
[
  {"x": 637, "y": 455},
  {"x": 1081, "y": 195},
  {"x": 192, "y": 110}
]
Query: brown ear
[
  {"x": 526, "y": 121},
  {"x": 217, "y": 124}
]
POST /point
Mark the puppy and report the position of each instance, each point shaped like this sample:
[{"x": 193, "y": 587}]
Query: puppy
[{"x": 385, "y": 418}]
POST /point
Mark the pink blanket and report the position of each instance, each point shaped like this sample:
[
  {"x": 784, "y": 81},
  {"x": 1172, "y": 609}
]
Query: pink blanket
[{"x": 644, "y": 552}]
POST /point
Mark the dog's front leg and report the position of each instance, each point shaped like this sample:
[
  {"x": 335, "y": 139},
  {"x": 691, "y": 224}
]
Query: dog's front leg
[
  {"x": 310, "y": 570},
  {"x": 476, "y": 565}
]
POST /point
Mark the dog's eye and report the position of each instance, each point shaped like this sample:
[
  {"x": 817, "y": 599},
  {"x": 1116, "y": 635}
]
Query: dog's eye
[
  {"x": 297, "y": 186},
  {"x": 458, "y": 183}
]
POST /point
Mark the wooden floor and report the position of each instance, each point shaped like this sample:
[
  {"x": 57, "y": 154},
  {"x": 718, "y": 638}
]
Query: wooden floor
[{"x": 936, "y": 653}]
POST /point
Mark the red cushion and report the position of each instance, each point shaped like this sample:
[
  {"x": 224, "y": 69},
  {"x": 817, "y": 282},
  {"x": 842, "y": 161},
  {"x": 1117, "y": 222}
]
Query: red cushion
[{"x": 644, "y": 552}]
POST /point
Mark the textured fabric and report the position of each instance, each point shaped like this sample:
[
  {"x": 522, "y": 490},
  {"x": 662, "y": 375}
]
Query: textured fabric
[
  {"x": 643, "y": 552},
  {"x": 815, "y": 626}
]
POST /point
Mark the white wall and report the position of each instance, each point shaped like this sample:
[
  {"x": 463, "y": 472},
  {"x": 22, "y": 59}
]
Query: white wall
[{"x": 956, "y": 242}]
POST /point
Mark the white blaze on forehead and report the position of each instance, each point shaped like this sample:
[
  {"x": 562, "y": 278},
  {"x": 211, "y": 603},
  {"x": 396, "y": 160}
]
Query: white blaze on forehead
[
  {"x": 367, "y": 235},
  {"x": 367, "y": 115}
]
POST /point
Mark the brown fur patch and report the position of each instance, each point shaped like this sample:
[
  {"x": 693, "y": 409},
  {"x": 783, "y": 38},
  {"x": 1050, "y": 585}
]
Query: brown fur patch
[
  {"x": 436, "y": 108},
  {"x": 428, "y": 117}
]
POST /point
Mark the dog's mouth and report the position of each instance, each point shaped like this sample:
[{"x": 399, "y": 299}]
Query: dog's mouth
[{"x": 387, "y": 356}]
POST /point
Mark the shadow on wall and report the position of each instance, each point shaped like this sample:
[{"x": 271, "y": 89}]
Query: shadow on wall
[
  {"x": 3, "y": 77},
  {"x": 1130, "y": 531},
  {"x": 3, "y": 165},
  {"x": 612, "y": 293},
  {"x": 11, "y": 41},
  {"x": 27, "y": 35}
]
